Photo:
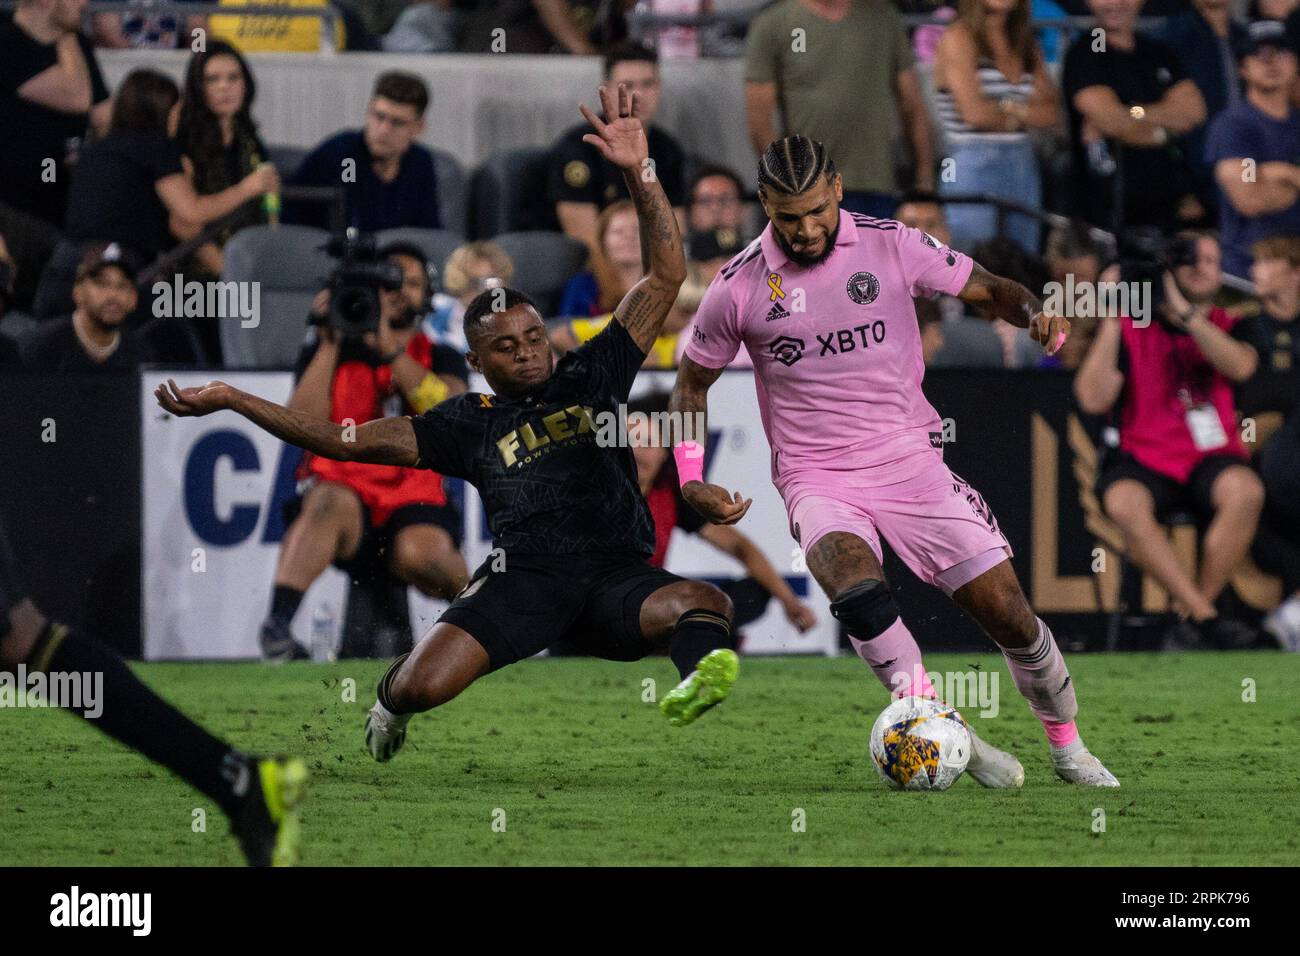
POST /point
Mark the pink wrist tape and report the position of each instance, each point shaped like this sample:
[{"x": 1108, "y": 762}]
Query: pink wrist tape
[{"x": 690, "y": 462}]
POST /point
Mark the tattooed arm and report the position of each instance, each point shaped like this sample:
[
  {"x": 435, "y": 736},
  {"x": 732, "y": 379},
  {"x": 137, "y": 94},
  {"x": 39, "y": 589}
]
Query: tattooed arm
[
  {"x": 690, "y": 402},
  {"x": 1007, "y": 299},
  {"x": 620, "y": 138},
  {"x": 384, "y": 441}
]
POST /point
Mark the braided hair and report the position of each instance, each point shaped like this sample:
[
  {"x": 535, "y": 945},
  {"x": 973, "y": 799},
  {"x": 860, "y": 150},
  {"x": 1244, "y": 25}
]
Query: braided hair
[{"x": 793, "y": 165}]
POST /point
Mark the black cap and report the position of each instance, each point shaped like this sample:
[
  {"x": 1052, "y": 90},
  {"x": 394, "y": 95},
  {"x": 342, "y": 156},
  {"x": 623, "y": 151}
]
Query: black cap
[
  {"x": 105, "y": 254},
  {"x": 1260, "y": 33},
  {"x": 714, "y": 244}
]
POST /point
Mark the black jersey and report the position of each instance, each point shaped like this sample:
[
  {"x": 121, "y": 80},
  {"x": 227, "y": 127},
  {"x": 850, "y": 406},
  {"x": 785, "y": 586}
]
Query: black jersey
[{"x": 552, "y": 466}]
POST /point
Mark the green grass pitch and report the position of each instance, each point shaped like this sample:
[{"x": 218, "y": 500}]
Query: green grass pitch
[{"x": 574, "y": 768}]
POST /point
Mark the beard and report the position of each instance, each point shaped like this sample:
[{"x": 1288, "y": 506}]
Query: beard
[{"x": 802, "y": 258}]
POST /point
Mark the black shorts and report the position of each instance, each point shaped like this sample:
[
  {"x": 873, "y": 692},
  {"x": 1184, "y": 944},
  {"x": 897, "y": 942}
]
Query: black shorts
[
  {"x": 1170, "y": 496},
  {"x": 371, "y": 557},
  {"x": 592, "y": 601}
]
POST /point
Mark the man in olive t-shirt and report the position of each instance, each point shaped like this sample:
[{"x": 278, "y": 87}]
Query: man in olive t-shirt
[{"x": 842, "y": 72}]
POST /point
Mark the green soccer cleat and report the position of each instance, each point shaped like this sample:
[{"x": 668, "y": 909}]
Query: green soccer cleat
[
  {"x": 269, "y": 829},
  {"x": 707, "y": 686}
]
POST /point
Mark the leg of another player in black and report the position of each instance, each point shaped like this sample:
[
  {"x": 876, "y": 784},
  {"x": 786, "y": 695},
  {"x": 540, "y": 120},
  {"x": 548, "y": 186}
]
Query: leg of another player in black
[
  {"x": 691, "y": 617},
  {"x": 440, "y": 667},
  {"x": 129, "y": 711}
]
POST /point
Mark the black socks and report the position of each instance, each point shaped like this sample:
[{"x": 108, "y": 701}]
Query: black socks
[{"x": 697, "y": 633}]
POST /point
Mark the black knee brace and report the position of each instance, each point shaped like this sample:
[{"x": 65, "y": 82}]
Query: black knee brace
[{"x": 867, "y": 609}]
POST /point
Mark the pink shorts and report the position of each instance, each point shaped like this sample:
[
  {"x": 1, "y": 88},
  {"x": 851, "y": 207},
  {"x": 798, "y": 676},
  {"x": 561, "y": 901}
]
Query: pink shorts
[{"x": 935, "y": 522}]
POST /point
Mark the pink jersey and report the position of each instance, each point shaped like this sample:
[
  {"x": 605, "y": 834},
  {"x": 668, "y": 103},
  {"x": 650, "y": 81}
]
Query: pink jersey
[{"x": 836, "y": 348}]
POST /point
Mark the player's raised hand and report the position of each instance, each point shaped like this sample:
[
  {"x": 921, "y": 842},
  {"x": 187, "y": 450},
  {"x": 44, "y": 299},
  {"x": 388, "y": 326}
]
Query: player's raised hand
[
  {"x": 715, "y": 503},
  {"x": 1049, "y": 331},
  {"x": 193, "y": 402},
  {"x": 619, "y": 137}
]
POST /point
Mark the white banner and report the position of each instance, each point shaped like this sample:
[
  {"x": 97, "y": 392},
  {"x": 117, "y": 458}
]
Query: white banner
[{"x": 214, "y": 488}]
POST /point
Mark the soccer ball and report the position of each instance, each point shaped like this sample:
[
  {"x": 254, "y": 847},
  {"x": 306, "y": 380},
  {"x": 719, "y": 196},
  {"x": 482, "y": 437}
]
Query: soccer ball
[{"x": 920, "y": 744}]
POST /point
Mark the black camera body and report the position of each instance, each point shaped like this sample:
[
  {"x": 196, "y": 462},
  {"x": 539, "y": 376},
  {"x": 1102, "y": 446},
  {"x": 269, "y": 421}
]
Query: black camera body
[
  {"x": 1146, "y": 256},
  {"x": 356, "y": 282}
]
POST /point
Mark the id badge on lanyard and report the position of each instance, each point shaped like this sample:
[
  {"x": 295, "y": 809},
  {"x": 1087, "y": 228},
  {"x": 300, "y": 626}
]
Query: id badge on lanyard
[{"x": 1203, "y": 422}]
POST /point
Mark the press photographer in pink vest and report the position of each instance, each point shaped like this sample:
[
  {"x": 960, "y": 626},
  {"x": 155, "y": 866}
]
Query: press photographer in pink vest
[{"x": 1167, "y": 384}]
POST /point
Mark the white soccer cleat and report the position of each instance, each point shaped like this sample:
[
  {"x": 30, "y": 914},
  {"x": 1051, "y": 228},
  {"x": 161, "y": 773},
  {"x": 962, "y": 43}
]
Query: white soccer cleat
[
  {"x": 385, "y": 732},
  {"x": 1074, "y": 764},
  {"x": 1283, "y": 625},
  {"x": 991, "y": 767}
]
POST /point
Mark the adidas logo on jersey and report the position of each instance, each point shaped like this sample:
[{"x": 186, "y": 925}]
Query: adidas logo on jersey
[{"x": 776, "y": 312}]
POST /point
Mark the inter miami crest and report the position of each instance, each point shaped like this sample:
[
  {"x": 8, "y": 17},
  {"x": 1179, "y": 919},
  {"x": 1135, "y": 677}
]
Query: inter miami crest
[{"x": 863, "y": 288}]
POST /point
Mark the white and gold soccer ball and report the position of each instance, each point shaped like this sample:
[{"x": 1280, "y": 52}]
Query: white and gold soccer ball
[{"x": 920, "y": 744}]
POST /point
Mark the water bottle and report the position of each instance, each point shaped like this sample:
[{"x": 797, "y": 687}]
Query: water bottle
[{"x": 322, "y": 634}]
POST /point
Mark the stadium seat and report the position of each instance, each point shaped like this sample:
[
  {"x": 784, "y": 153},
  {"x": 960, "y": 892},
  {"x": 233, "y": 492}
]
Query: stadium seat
[
  {"x": 453, "y": 198},
  {"x": 291, "y": 265},
  {"x": 509, "y": 191},
  {"x": 287, "y": 159},
  {"x": 544, "y": 261},
  {"x": 437, "y": 244}
]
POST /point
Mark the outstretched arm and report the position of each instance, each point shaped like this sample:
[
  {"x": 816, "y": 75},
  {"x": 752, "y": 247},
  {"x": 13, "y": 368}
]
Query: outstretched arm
[
  {"x": 690, "y": 403},
  {"x": 385, "y": 441},
  {"x": 620, "y": 138},
  {"x": 1009, "y": 300}
]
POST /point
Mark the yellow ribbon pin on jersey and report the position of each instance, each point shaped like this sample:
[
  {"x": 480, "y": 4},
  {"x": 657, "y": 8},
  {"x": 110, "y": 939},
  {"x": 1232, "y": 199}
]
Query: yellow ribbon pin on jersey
[{"x": 774, "y": 283}]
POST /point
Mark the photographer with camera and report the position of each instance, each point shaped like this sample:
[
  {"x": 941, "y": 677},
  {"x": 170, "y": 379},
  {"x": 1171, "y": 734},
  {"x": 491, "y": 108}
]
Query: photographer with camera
[
  {"x": 1170, "y": 383},
  {"x": 369, "y": 360}
]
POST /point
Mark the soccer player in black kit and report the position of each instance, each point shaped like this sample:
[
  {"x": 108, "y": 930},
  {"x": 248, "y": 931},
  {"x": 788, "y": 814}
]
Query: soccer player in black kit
[{"x": 571, "y": 530}]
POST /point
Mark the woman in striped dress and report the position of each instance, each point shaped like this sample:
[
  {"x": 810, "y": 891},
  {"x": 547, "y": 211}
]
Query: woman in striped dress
[{"x": 991, "y": 88}]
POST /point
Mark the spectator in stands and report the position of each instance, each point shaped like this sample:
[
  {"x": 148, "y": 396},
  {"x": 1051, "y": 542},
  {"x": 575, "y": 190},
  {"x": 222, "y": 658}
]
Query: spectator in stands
[
  {"x": 387, "y": 177},
  {"x": 1005, "y": 257},
  {"x": 370, "y": 519},
  {"x": 615, "y": 269},
  {"x": 1206, "y": 37},
  {"x": 923, "y": 211},
  {"x": 657, "y": 477},
  {"x": 130, "y": 185},
  {"x": 1075, "y": 259},
  {"x": 429, "y": 26},
  {"x": 1254, "y": 147},
  {"x": 717, "y": 201},
  {"x": 844, "y": 78},
  {"x": 581, "y": 183},
  {"x": 579, "y": 27},
  {"x": 469, "y": 270},
  {"x": 1271, "y": 400},
  {"x": 991, "y": 88},
  {"x": 929, "y": 319},
  {"x": 707, "y": 252},
  {"x": 51, "y": 93},
  {"x": 272, "y": 34},
  {"x": 1129, "y": 96},
  {"x": 218, "y": 141},
  {"x": 143, "y": 30},
  {"x": 93, "y": 337},
  {"x": 615, "y": 264},
  {"x": 1170, "y": 384}
]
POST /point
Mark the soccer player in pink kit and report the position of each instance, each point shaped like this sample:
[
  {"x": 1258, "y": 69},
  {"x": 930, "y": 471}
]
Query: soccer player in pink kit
[{"x": 822, "y": 302}]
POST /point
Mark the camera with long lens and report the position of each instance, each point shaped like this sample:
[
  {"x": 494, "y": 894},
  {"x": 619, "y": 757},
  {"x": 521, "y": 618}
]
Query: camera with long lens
[
  {"x": 356, "y": 282},
  {"x": 1146, "y": 255}
]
